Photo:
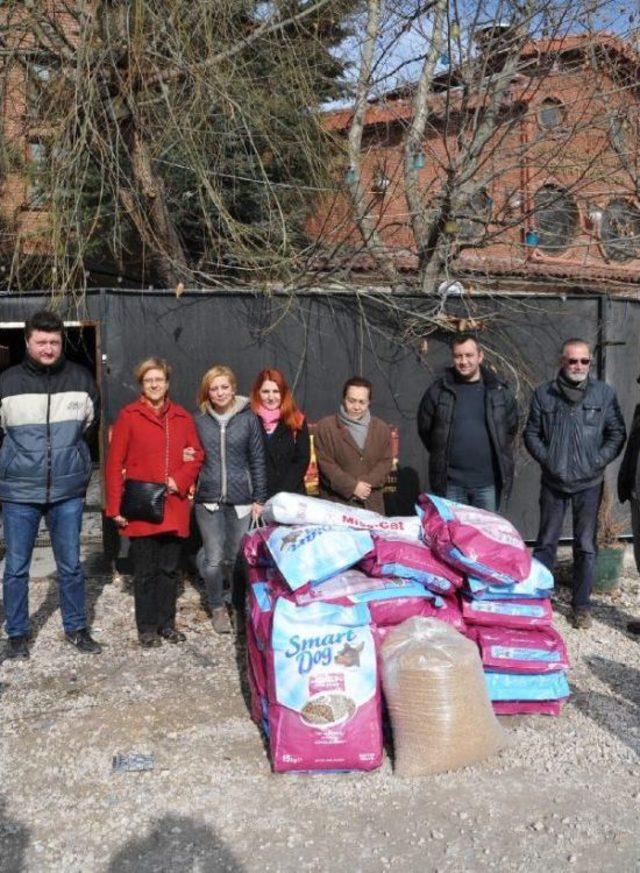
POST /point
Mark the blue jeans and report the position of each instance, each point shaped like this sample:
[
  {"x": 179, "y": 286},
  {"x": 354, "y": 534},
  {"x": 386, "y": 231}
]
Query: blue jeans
[
  {"x": 584, "y": 506},
  {"x": 222, "y": 533},
  {"x": 487, "y": 497},
  {"x": 21, "y": 521}
]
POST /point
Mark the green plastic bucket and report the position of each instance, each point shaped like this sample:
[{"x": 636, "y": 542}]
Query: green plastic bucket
[{"x": 608, "y": 568}]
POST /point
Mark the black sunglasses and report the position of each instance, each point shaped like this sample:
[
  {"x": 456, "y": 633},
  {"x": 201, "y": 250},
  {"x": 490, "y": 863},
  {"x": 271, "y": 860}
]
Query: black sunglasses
[{"x": 574, "y": 361}]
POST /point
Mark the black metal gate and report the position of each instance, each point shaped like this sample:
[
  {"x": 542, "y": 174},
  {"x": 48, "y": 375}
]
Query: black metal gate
[{"x": 320, "y": 339}]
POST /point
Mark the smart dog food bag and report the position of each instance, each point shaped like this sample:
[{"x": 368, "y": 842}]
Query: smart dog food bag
[
  {"x": 324, "y": 699},
  {"x": 286, "y": 508},
  {"x": 313, "y": 553},
  {"x": 392, "y": 557},
  {"x": 437, "y": 699},
  {"x": 477, "y": 542}
]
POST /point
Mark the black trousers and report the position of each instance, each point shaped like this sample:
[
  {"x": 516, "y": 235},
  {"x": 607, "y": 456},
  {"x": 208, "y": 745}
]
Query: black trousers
[
  {"x": 584, "y": 506},
  {"x": 156, "y": 561}
]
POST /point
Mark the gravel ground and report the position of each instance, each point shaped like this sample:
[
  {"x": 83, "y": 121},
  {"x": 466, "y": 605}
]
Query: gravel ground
[{"x": 564, "y": 794}]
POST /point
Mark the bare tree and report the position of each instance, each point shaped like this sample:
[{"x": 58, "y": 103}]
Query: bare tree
[
  {"x": 470, "y": 164},
  {"x": 181, "y": 138}
]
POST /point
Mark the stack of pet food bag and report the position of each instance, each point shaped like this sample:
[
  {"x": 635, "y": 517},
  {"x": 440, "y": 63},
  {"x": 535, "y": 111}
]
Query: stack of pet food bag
[
  {"x": 505, "y": 606},
  {"x": 329, "y": 583}
]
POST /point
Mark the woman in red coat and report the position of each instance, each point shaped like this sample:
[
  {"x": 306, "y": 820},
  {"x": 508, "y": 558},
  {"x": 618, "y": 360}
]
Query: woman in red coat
[{"x": 147, "y": 443}]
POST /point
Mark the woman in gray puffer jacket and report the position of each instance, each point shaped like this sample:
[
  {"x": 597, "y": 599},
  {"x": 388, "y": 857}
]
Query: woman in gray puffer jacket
[{"x": 232, "y": 485}]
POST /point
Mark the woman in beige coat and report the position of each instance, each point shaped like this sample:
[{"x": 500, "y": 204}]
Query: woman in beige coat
[{"x": 353, "y": 450}]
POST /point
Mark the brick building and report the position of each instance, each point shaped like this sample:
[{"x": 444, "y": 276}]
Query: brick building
[
  {"x": 556, "y": 198},
  {"x": 556, "y": 194},
  {"x": 29, "y": 82}
]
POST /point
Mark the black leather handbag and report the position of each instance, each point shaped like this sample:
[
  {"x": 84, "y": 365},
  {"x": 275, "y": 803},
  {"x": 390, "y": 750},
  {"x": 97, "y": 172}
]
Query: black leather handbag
[{"x": 144, "y": 501}]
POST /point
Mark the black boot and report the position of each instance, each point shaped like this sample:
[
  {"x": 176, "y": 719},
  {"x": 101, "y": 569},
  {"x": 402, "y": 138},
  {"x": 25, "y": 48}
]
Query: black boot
[
  {"x": 171, "y": 635},
  {"x": 17, "y": 649},
  {"x": 83, "y": 641}
]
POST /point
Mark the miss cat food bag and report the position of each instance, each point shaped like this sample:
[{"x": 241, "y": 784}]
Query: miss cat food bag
[
  {"x": 324, "y": 698},
  {"x": 286, "y": 508},
  {"x": 479, "y": 543}
]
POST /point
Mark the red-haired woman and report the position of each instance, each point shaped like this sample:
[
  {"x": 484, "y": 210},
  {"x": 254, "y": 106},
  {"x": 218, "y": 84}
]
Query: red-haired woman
[{"x": 284, "y": 430}]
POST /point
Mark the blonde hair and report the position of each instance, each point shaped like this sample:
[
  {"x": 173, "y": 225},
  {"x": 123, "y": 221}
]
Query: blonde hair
[
  {"x": 211, "y": 374},
  {"x": 152, "y": 364}
]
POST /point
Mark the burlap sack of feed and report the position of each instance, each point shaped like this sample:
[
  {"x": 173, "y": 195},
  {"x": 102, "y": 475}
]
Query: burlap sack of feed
[{"x": 437, "y": 699}]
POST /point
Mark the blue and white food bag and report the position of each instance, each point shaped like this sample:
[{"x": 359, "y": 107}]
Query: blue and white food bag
[
  {"x": 313, "y": 553},
  {"x": 526, "y": 686}
]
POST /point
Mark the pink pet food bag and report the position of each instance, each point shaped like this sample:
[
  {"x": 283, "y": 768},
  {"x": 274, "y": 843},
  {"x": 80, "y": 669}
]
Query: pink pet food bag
[
  {"x": 480, "y": 543},
  {"x": 508, "y": 613},
  {"x": 393, "y": 557},
  {"x": 254, "y": 547},
  {"x": 324, "y": 695},
  {"x": 522, "y": 651},
  {"x": 528, "y": 707}
]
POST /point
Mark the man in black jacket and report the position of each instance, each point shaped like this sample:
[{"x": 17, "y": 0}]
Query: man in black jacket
[
  {"x": 467, "y": 420},
  {"x": 629, "y": 489},
  {"x": 575, "y": 429}
]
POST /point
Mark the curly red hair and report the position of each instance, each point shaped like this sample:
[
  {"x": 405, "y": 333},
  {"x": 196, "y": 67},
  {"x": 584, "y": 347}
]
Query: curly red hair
[{"x": 291, "y": 415}]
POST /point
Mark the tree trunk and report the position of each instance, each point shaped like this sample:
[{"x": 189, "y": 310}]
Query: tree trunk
[{"x": 150, "y": 215}]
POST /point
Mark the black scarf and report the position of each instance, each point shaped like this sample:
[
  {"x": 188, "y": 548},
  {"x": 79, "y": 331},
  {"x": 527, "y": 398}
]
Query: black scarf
[{"x": 573, "y": 392}]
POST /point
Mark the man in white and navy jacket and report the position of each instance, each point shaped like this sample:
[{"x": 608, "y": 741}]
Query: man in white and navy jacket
[{"x": 47, "y": 406}]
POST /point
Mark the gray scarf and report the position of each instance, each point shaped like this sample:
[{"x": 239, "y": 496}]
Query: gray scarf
[
  {"x": 572, "y": 391},
  {"x": 357, "y": 428}
]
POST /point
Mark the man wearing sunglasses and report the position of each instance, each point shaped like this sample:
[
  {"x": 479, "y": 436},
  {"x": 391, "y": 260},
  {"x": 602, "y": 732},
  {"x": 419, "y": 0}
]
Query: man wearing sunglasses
[{"x": 575, "y": 428}]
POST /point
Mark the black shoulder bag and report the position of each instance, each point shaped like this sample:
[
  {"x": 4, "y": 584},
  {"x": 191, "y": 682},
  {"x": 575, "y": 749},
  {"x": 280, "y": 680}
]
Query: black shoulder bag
[{"x": 144, "y": 501}]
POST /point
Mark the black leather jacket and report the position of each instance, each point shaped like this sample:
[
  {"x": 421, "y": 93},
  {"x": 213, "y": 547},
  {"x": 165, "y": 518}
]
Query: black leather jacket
[
  {"x": 628, "y": 474},
  {"x": 435, "y": 415},
  {"x": 574, "y": 442},
  {"x": 234, "y": 469}
]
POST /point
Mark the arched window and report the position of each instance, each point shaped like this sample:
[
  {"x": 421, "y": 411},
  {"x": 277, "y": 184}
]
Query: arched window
[
  {"x": 551, "y": 113},
  {"x": 620, "y": 230},
  {"x": 556, "y": 218}
]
